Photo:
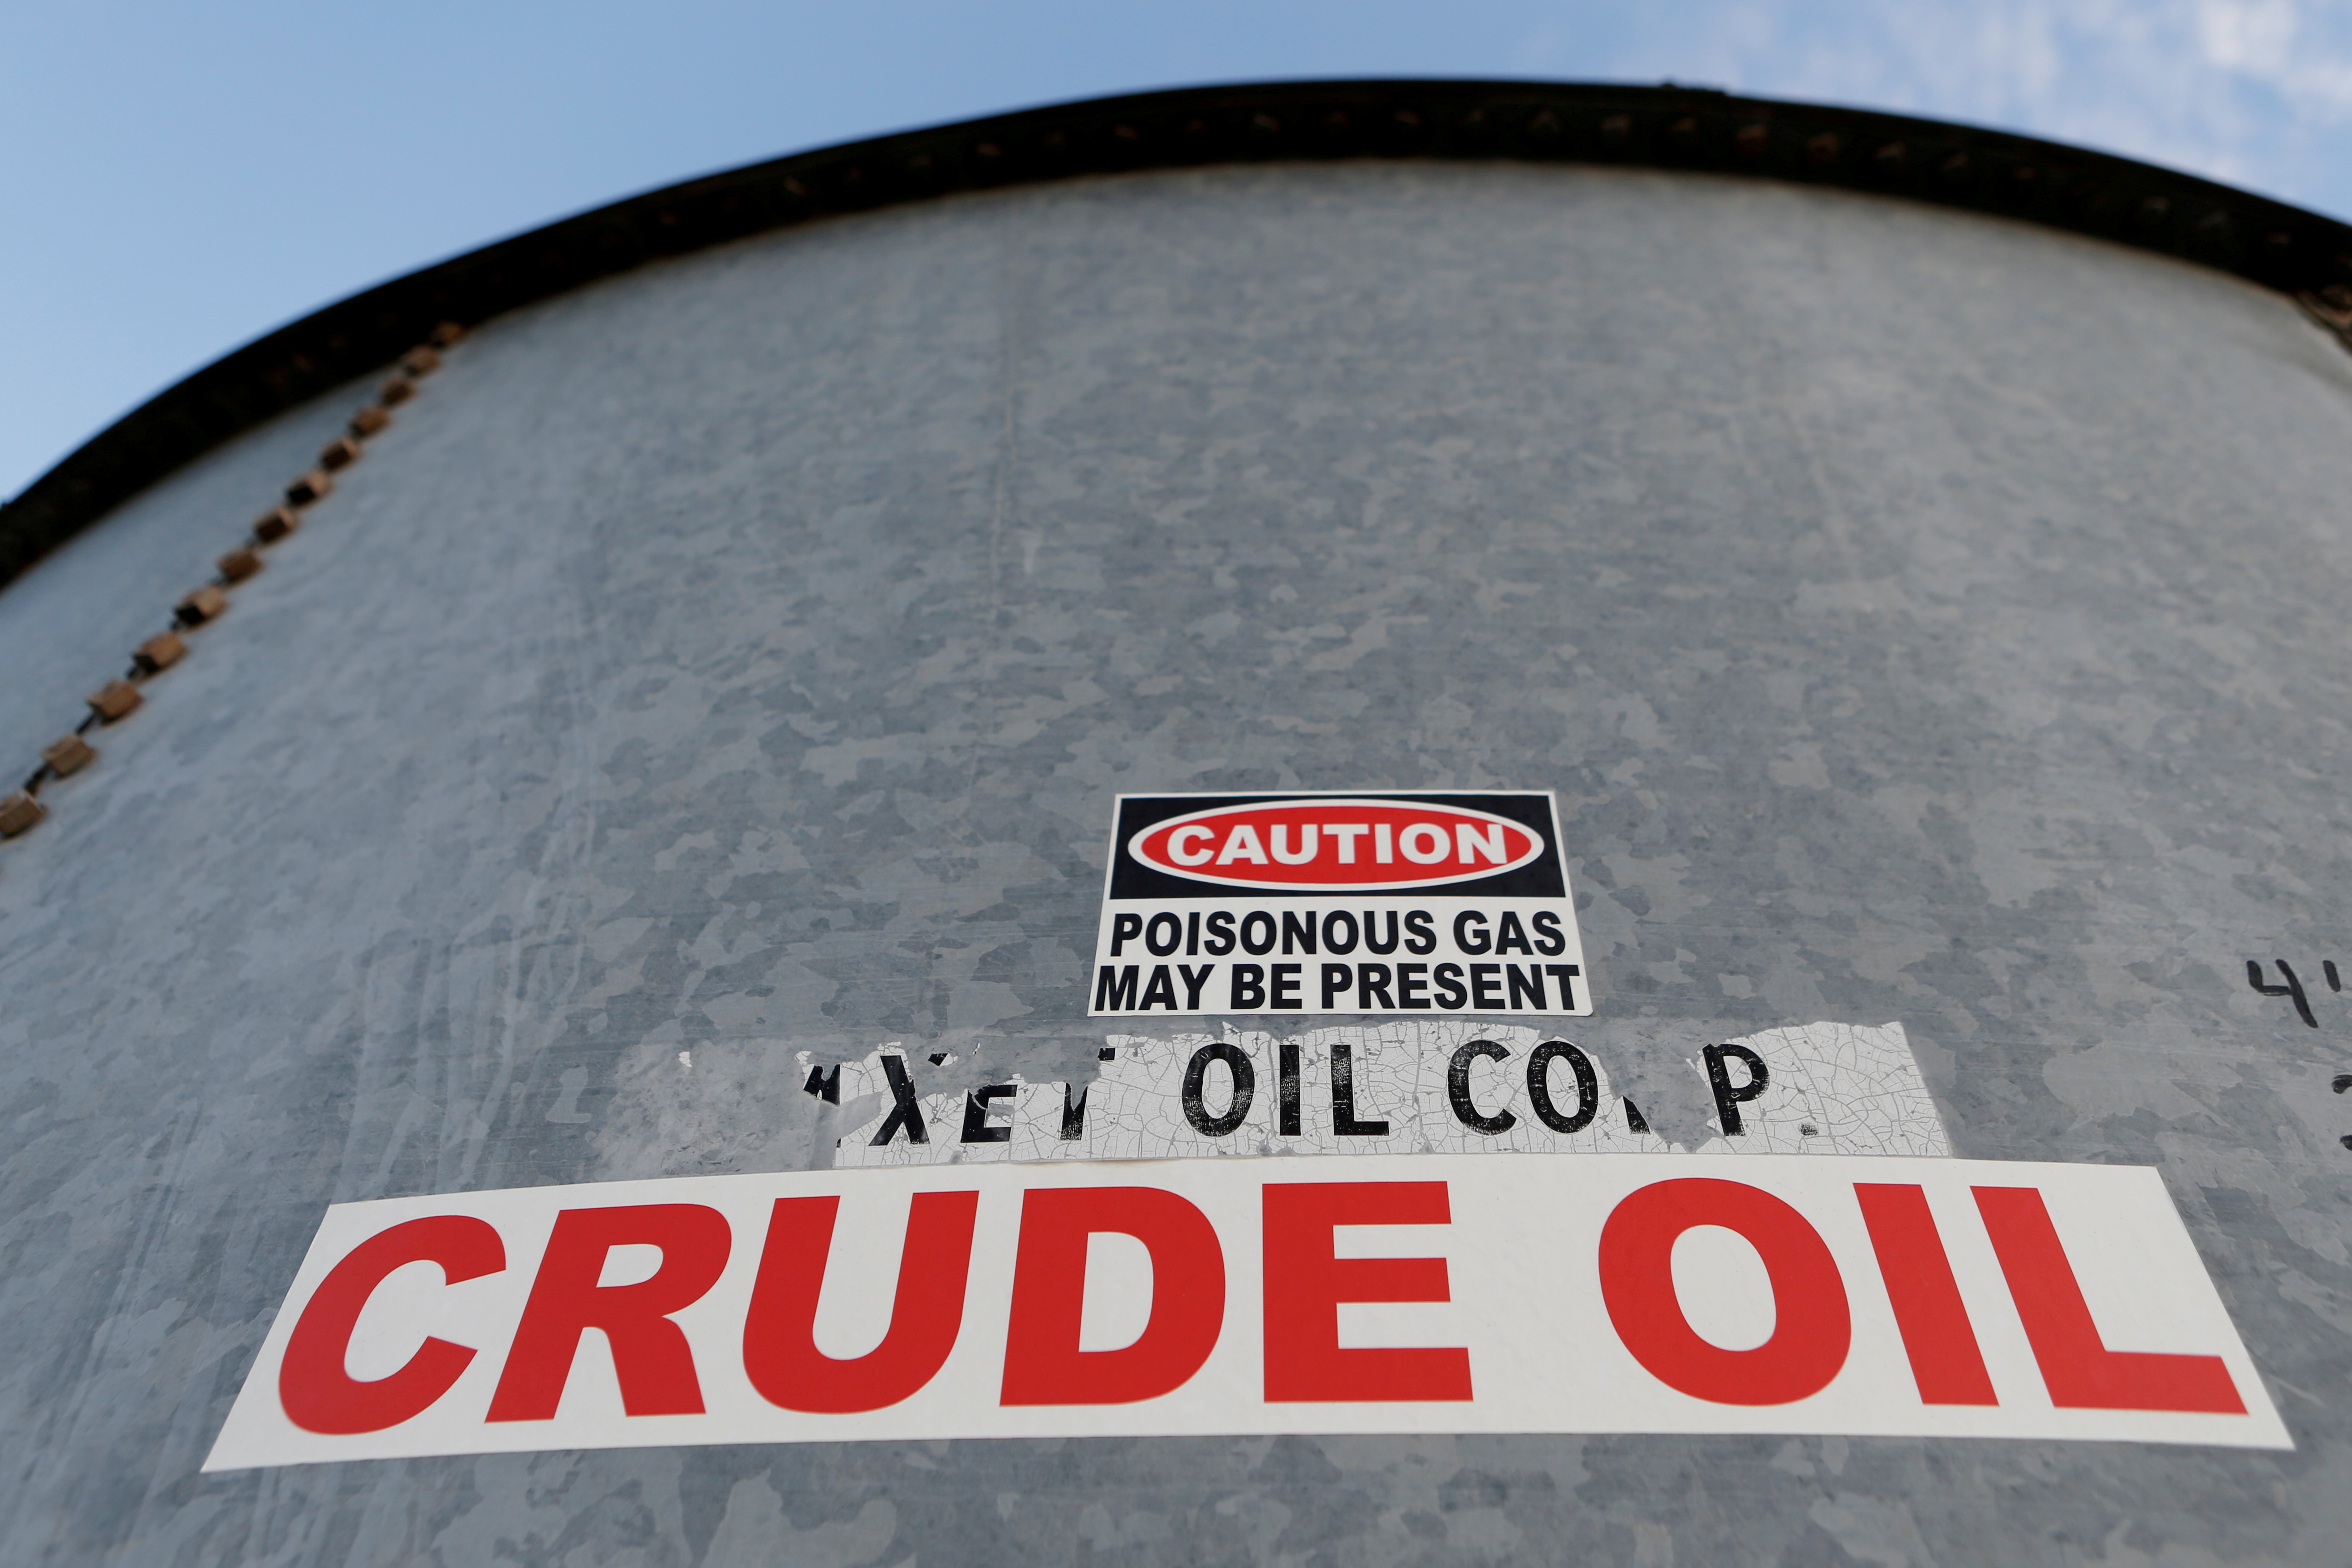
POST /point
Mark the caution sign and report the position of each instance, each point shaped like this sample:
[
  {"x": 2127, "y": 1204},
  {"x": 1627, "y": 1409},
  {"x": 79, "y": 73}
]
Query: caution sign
[
  {"x": 1369, "y": 1293},
  {"x": 1241, "y": 905}
]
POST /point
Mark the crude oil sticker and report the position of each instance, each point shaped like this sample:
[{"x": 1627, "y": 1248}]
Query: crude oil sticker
[
  {"x": 1354, "y": 1294},
  {"x": 1368, "y": 902},
  {"x": 1442, "y": 1086}
]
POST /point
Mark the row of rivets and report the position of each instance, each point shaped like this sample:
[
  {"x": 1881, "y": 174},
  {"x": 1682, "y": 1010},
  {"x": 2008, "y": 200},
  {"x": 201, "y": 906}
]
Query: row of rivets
[{"x": 117, "y": 700}]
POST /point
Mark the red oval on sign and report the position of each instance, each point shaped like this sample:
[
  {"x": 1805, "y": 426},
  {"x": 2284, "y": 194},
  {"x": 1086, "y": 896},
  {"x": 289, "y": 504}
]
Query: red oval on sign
[{"x": 1335, "y": 845}]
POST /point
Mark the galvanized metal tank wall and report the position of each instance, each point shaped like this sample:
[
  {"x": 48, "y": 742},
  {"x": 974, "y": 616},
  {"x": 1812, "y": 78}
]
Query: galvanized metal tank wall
[{"x": 1919, "y": 617}]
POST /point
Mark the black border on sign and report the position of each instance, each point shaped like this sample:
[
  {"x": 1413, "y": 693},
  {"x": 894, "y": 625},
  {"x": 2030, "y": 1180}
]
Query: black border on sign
[{"x": 1545, "y": 876}]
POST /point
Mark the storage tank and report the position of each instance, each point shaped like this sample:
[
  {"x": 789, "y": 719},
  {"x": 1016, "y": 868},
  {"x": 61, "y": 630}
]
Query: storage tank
[{"x": 633, "y": 973}]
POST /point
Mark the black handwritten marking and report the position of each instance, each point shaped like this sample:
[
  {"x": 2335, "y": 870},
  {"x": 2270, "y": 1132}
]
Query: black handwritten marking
[
  {"x": 2335, "y": 981},
  {"x": 1728, "y": 1097},
  {"x": 1344, "y": 1121},
  {"x": 905, "y": 1112},
  {"x": 1457, "y": 1088},
  {"x": 1242, "y": 1079},
  {"x": 977, "y": 1127},
  {"x": 1287, "y": 1087},
  {"x": 2292, "y": 987},
  {"x": 1588, "y": 1088}
]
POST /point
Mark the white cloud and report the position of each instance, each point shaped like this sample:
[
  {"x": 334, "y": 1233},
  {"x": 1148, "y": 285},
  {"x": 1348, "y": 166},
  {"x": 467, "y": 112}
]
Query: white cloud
[
  {"x": 2251, "y": 91},
  {"x": 2267, "y": 41}
]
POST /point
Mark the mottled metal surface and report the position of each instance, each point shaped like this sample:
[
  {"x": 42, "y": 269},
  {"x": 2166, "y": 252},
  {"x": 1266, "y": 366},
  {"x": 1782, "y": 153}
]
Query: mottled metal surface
[{"x": 1919, "y": 617}]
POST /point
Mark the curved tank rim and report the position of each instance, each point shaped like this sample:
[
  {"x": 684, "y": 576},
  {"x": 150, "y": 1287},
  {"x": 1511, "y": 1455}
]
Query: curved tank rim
[{"x": 1667, "y": 126}]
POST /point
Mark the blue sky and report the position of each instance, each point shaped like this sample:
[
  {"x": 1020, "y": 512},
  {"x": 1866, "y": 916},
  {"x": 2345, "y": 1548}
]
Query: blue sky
[{"x": 178, "y": 179}]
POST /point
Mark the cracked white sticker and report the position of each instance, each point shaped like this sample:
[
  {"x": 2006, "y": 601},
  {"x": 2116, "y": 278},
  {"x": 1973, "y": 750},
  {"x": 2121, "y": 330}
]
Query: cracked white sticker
[{"x": 1443, "y": 1086}]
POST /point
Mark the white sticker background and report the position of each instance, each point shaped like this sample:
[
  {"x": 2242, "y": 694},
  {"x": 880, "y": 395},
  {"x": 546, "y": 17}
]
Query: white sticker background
[{"x": 1525, "y": 1302}]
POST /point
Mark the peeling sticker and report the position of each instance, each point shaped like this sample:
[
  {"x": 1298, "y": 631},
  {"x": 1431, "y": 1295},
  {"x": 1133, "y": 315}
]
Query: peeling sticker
[{"x": 1443, "y": 1086}]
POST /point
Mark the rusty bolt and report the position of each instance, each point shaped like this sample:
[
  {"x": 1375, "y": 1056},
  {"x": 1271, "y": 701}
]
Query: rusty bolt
[
  {"x": 238, "y": 565},
  {"x": 160, "y": 651},
  {"x": 420, "y": 361},
  {"x": 395, "y": 392},
  {"x": 443, "y": 335},
  {"x": 1822, "y": 149},
  {"x": 276, "y": 524},
  {"x": 69, "y": 754},
  {"x": 1750, "y": 141},
  {"x": 206, "y": 604},
  {"x": 18, "y": 812},
  {"x": 1617, "y": 129},
  {"x": 367, "y": 421},
  {"x": 309, "y": 488},
  {"x": 340, "y": 453},
  {"x": 115, "y": 699}
]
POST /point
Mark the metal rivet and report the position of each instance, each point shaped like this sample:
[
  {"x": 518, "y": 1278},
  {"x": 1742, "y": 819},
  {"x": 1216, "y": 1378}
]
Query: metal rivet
[
  {"x": 1684, "y": 132},
  {"x": 444, "y": 334},
  {"x": 395, "y": 392},
  {"x": 1751, "y": 141},
  {"x": 276, "y": 524},
  {"x": 1893, "y": 155},
  {"x": 238, "y": 565},
  {"x": 309, "y": 488},
  {"x": 420, "y": 361},
  {"x": 367, "y": 421},
  {"x": 1545, "y": 123},
  {"x": 989, "y": 150},
  {"x": 160, "y": 651},
  {"x": 1822, "y": 149},
  {"x": 206, "y": 604},
  {"x": 1617, "y": 130},
  {"x": 18, "y": 812},
  {"x": 114, "y": 701},
  {"x": 340, "y": 453},
  {"x": 69, "y": 754}
]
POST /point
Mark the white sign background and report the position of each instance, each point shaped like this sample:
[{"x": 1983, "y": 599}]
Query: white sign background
[{"x": 1520, "y": 1260}]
